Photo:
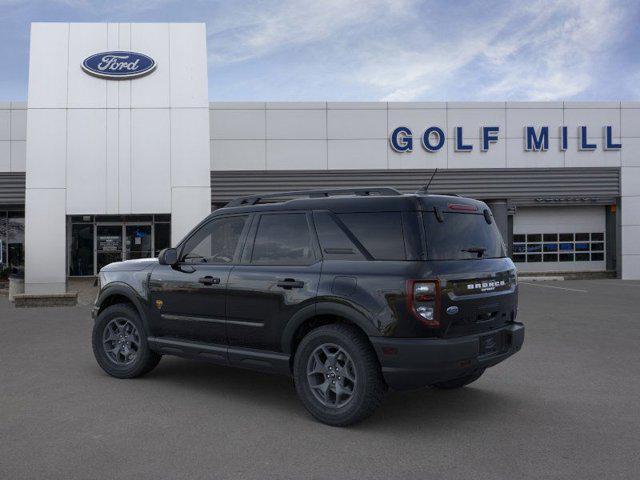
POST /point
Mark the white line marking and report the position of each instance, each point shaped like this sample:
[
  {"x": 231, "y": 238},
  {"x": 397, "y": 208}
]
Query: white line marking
[
  {"x": 617, "y": 284},
  {"x": 551, "y": 286}
]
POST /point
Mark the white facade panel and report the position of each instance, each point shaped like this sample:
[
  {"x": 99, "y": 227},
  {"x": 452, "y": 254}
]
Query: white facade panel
[
  {"x": 5, "y": 124},
  {"x": 417, "y": 120},
  {"x": 190, "y": 205},
  {"x": 18, "y": 156},
  {"x": 471, "y": 119},
  {"x": 150, "y": 160},
  {"x": 189, "y": 139},
  {"x": 48, "y": 60},
  {"x": 237, "y": 124},
  {"x": 357, "y": 124},
  {"x": 296, "y": 124},
  {"x": 574, "y": 157},
  {"x": 296, "y": 154},
  {"x": 238, "y": 154},
  {"x": 418, "y": 158},
  {"x": 154, "y": 90},
  {"x": 518, "y": 157},
  {"x": 630, "y": 214},
  {"x": 357, "y": 154},
  {"x": 86, "y": 161},
  {"x": 5, "y": 156},
  {"x": 45, "y": 241},
  {"x": 46, "y": 148},
  {"x": 630, "y": 234},
  {"x": 188, "y": 61},
  {"x": 495, "y": 157},
  {"x": 18, "y": 124},
  {"x": 592, "y": 118},
  {"x": 630, "y": 119},
  {"x": 124, "y": 161},
  {"x": 519, "y": 118},
  {"x": 84, "y": 90},
  {"x": 630, "y": 153},
  {"x": 111, "y": 162}
]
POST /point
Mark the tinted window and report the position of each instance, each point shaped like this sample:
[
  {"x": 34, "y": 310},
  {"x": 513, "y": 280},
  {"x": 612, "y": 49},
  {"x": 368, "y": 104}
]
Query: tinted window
[
  {"x": 283, "y": 239},
  {"x": 380, "y": 233},
  {"x": 334, "y": 242},
  {"x": 460, "y": 232},
  {"x": 216, "y": 242}
]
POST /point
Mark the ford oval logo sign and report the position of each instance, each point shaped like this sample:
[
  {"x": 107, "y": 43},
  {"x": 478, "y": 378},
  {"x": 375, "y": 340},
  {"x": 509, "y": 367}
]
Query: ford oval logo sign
[{"x": 118, "y": 65}]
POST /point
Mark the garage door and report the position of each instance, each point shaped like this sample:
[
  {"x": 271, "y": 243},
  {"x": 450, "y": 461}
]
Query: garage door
[{"x": 559, "y": 239}]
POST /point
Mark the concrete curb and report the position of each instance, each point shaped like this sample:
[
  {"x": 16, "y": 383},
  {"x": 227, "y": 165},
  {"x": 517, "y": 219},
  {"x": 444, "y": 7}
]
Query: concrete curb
[
  {"x": 26, "y": 300},
  {"x": 548, "y": 278}
]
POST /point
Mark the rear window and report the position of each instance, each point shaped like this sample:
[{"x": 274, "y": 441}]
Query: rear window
[{"x": 462, "y": 236}]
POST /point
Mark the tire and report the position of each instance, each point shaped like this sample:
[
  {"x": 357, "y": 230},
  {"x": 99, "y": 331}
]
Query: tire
[
  {"x": 133, "y": 357},
  {"x": 360, "y": 375},
  {"x": 459, "y": 382}
]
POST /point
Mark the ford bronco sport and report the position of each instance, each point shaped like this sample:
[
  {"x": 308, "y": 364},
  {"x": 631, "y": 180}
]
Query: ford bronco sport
[{"x": 348, "y": 291}]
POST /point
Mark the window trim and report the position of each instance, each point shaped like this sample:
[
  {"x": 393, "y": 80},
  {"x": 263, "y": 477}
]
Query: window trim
[
  {"x": 247, "y": 254},
  {"x": 236, "y": 255}
]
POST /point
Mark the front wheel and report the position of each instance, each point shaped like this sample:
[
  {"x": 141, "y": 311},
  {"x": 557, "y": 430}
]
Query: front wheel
[
  {"x": 120, "y": 343},
  {"x": 459, "y": 382},
  {"x": 337, "y": 375}
]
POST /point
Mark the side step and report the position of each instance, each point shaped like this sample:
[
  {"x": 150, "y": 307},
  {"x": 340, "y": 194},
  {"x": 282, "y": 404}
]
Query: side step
[{"x": 266, "y": 361}]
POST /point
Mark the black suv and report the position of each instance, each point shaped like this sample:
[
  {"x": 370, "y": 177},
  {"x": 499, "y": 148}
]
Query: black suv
[{"x": 348, "y": 291}]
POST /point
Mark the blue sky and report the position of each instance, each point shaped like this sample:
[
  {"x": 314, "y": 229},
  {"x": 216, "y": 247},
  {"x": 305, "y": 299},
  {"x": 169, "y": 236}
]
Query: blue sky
[{"x": 398, "y": 50}]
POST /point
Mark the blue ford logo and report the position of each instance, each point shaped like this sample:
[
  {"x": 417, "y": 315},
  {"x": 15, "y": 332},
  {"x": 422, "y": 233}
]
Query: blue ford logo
[
  {"x": 118, "y": 65},
  {"x": 452, "y": 310}
]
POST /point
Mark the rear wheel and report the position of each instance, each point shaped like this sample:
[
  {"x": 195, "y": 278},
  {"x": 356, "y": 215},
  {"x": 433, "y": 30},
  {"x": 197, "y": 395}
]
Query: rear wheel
[
  {"x": 120, "y": 343},
  {"x": 337, "y": 375},
  {"x": 459, "y": 382}
]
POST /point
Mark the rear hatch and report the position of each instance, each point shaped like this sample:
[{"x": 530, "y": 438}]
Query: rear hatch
[{"x": 478, "y": 288}]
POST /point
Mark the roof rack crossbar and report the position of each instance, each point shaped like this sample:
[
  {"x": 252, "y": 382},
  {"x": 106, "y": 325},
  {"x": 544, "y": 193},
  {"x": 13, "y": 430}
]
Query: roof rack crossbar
[{"x": 254, "y": 199}]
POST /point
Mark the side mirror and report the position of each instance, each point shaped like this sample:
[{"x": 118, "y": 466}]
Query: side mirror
[{"x": 168, "y": 256}]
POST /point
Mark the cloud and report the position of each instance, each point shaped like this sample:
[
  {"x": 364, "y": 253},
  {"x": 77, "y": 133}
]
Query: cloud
[{"x": 260, "y": 30}]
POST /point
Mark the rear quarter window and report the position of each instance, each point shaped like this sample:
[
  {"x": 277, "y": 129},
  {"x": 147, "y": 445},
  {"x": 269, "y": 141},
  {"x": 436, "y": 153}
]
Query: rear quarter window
[{"x": 380, "y": 233}]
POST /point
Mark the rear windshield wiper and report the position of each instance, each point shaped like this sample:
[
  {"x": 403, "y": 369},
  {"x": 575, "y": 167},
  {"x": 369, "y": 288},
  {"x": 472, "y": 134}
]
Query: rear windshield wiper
[{"x": 479, "y": 250}]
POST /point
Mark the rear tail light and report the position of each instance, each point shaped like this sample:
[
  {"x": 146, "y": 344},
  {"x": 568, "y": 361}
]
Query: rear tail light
[{"x": 423, "y": 297}]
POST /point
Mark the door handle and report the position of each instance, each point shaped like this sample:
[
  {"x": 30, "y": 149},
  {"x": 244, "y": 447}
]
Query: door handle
[
  {"x": 289, "y": 283},
  {"x": 209, "y": 280}
]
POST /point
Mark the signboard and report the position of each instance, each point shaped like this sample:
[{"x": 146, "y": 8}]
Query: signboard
[
  {"x": 118, "y": 65},
  {"x": 109, "y": 243},
  {"x": 535, "y": 139}
]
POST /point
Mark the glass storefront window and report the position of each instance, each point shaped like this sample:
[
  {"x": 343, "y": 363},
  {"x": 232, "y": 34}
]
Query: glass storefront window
[
  {"x": 107, "y": 239},
  {"x": 81, "y": 252},
  {"x": 163, "y": 237}
]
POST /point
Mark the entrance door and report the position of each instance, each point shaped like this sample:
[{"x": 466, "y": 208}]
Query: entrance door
[
  {"x": 109, "y": 245},
  {"x": 138, "y": 241}
]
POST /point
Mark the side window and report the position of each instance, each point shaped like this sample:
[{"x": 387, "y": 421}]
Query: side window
[
  {"x": 379, "y": 232},
  {"x": 283, "y": 239},
  {"x": 334, "y": 242},
  {"x": 216, "y": 242}
]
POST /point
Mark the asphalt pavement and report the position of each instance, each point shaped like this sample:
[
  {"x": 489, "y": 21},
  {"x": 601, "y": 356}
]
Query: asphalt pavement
[{"x": 566, "y": 406}]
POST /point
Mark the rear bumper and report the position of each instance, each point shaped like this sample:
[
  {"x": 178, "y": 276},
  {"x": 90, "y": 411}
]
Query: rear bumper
[{"x": 417, "y": 362}]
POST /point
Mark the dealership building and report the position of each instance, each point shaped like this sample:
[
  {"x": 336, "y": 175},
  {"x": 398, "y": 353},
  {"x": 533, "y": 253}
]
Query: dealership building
[{"x": 118, "y": 152}]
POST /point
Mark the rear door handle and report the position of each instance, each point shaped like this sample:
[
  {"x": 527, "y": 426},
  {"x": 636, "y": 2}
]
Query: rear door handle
[
  {"x": 209, "y": 280},
  {"x": 289, "y": 283}
]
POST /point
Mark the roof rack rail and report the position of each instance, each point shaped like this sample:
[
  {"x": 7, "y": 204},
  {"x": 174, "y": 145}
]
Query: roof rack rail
[{"x": 254, "y": 199}]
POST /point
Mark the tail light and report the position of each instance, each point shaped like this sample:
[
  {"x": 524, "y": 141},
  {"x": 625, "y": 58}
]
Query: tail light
[{"x": 423, "y": 297}]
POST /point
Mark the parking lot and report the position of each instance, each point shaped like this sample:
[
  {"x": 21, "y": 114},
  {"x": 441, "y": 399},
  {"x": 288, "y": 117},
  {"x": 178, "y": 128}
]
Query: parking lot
[{"x": 567, "y": 406}]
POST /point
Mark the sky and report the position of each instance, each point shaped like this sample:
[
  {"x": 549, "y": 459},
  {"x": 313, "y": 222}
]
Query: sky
[{"x": 377, "y": 50}]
